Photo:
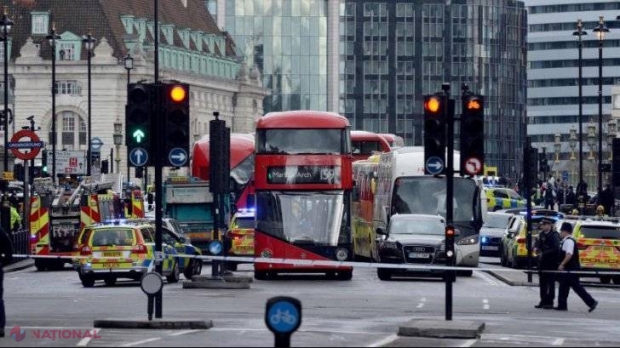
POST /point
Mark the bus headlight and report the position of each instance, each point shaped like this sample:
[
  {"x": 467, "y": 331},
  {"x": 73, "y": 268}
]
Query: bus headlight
[{"x": 342, "y": 254}]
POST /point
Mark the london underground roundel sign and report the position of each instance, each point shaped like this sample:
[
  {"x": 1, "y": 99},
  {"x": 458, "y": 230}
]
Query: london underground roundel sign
[{"x": 25, "y": 140}]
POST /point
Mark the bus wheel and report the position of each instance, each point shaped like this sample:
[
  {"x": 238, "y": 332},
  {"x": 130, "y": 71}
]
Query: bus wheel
[
  {"x": 345, "y": 275},
  {"x": 384, "y": 274},
  {"x": 260, "y": 275},
  {"x": 41, "y": 265},
  {"x": 606, "y": 279}
]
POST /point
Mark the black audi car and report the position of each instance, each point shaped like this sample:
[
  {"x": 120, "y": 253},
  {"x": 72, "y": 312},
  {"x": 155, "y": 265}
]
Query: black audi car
[{"x": 412, "y": 239}]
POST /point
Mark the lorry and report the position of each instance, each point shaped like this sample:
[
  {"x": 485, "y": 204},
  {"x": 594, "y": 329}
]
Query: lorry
[{"x": 190, "y": 202}]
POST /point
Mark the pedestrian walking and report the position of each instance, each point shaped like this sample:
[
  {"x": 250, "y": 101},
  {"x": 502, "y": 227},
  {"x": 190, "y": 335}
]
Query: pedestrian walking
[
  {"x": 570, "y": 262},
  {"x": 6, "y": 253},
  {"x": 548, "y": 250}
]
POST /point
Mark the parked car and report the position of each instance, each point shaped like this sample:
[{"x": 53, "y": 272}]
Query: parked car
[
  {"x": 492, "y": 232},
  {"x": 599, "y": 244},
  {"x": 503, "y": 198}
]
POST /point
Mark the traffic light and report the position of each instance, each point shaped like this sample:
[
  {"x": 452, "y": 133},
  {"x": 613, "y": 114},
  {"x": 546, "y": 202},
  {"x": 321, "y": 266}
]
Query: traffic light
[
  {"x": 472, "y": 135},
  {"x": 44, "y": 162},
  {"x": 104, "y": 167},
  {"x": 138, "y": 115},
  {"x": 219, "y": 155},
  {"x": 139, "y": 172},
  {"x": 450, "y": 239},
  {"x": 542, "y": 162},
  {"x": 175, "y": 112},
  {"x": 434, "y": 134}
]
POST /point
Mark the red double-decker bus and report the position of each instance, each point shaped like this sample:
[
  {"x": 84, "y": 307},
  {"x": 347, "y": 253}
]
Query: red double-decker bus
[
  {"x": 241, "y": 166},
  {"x": 365, "y": 144},
  {"x": 303, "y": 182}
]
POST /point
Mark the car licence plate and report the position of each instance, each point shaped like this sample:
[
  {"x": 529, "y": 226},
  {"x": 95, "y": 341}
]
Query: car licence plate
[
  {"x": 111, "y": 265},
  {"x": 419, "y": 255},
  {"x": 490, "y": 247},
  {"x": 112, "y": 254}
]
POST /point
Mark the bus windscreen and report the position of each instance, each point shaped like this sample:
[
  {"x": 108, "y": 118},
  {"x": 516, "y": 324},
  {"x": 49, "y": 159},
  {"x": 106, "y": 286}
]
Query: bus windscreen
[{"x": 300, "y": 141}]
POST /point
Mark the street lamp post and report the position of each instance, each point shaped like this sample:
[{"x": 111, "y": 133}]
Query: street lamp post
[
  {"x": 53, "y": 37},
  {"x": 572, "y": 143},
  {"x": 128, "y": 59},
  {"x": 579, "y": 33},
  {"x": 6, "y": 24},
  {"x": 89, "y": 44},
  {"x": 591, "y": 144},
  {"x": 118, "y": 140},
  {"x": 557, "y": 146},
  {"x": 611, "y": 134},
  {"x": 600, "y": 31}
]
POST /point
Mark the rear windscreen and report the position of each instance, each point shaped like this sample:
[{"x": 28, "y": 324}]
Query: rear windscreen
[
  {"x": 112, "y": 237},
  {"x": 245, "y": 223},
  {"x": 600, "y": 232}
]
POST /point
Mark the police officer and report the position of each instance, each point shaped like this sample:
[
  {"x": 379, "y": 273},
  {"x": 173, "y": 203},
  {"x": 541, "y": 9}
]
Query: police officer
[
  {"x": 570, "y": 262},
  {"x": 548, "y": 248},
  {"x": 6, "y": 253}
]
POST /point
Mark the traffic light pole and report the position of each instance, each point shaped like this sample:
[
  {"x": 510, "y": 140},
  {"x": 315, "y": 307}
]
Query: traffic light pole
[
  {"x": 157, "y": 118},
  {"x": 449, "y": 117},
  {"x": 527, "y": 165}
]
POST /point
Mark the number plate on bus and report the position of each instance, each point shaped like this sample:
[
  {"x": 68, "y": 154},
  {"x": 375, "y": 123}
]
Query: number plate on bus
[{"x": 419, "y": 255}]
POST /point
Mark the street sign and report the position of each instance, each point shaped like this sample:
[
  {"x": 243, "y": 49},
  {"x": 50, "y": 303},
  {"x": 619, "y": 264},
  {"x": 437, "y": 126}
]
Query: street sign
[
  {"x": 177, "y": 157},
  {"x": 35, "y": 144},
  {"x": 8, "y": 176},
  {"x": 565, "y": 176},
  {"x": 473, "y": 166},
  {"x": 138, "y": 157},
  {"x": 96, "y": 144},
  {"x": 71, "y": 162},
  {"x": 283, "y": 317},
  {"x": 434, "y": 165}
]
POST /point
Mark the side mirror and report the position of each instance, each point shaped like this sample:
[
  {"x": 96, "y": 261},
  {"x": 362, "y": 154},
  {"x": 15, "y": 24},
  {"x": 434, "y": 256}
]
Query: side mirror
[
  {"x": 183, "y": 240},
  {"x": 510, "y": 235},
  {"x": 149, "y": 198},
  {"x": 381, "y": 231}
]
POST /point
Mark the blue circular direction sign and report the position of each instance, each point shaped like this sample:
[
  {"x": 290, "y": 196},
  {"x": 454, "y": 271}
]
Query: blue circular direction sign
[
  {"x": 283, "y": 315},
  {"x": 434, "y": 165},
  {"x": 177, "y": 157},
  {"x": 138, "y": 157},
  {"x": 215, "y": 247}
]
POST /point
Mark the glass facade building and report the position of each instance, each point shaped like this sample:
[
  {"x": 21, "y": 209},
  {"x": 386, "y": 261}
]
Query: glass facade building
[
  {"x": 394, "y": 52},
  {"x": 553, "y": 83},
  {"x": 288, "y": 41}
]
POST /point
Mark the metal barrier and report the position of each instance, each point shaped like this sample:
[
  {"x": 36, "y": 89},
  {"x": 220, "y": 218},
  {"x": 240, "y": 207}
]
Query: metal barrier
[{"x": 20, "y": 243}]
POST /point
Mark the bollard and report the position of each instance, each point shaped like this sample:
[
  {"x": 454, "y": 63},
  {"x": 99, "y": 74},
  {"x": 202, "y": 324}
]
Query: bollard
[
  {"x": 152, "y": 283},
  {"x": 283, "y": 317}
]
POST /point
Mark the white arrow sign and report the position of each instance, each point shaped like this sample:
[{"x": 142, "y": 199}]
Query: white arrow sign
[
  {"x": 435, "y": 165},
  {"x": 138, "y": 157},
  {"x": 179, "y": 157}
]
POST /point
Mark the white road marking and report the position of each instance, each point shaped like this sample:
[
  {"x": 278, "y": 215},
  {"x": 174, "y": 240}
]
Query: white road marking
[
  {"x": 558, "y": 342},
  {"x": 468, "y": 343},
  {"x": 490, "y": 279},
  {"x": 422, "y": 301},
  {"x": 84, "y": 341},
  {"x": 391, "y": 338},
  {"x": 141, "y": 342},
  {"x": 485, "y": 304},
  {"x": 183, "y": 332}
]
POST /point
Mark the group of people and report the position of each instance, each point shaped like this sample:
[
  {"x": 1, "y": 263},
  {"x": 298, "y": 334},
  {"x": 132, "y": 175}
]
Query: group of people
[{"x": 559, "y": 260}]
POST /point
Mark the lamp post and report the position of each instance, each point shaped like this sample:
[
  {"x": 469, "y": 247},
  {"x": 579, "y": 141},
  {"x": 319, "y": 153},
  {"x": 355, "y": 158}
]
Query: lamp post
[
  {"x": 53, "y": 37},
  {"x": 579, "y": 33},
  {"x": 572, "y": 143},
  {"x": 591, "y": 144},
  {"x": 7, "y": 25},
  {"x": 557, "y": 146},
  {"x": 600, "y": 31},
  {"x": 89, "y": 44},
  {"x": 128, "y": 59},
  {"x": 118, "y": 141}
]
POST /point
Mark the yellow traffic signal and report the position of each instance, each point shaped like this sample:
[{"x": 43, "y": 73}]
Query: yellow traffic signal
[
  {"x": 474, "y": 104},
  {"x": 432, "y": 104},
  {"x": 178, "y": 94}
]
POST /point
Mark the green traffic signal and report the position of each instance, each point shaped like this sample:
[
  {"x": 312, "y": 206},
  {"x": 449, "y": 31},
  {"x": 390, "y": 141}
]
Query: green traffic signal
[{"x": 138, "y": 135}]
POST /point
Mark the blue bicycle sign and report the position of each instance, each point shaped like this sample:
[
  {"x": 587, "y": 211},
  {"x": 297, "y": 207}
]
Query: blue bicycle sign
[{"x": 283, "y": 315}]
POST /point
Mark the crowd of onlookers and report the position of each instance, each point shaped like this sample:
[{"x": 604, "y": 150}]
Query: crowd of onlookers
[{"x": 558, "y": 194}]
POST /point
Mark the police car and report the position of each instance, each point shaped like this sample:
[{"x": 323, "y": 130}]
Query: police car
[
  {"x": 499, "y": 198},
  {"x": 240, "y": 236}
]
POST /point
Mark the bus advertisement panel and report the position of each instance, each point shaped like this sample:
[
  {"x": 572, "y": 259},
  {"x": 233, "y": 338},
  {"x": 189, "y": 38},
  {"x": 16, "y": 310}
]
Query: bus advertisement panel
[
  {"x": 303, "y": 192},
  {"x": 365, "y": 180}
]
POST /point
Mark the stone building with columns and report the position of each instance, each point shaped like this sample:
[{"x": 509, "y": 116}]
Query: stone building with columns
[{"x": 192, "y": 50}]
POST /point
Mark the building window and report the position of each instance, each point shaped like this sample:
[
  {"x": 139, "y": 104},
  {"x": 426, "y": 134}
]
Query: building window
[
  {"x": 66, "y": 51},
  {"x": 40, "y": 23},
  {"x": 69, "y": 87},
  {"x": 71, "y": 138}
]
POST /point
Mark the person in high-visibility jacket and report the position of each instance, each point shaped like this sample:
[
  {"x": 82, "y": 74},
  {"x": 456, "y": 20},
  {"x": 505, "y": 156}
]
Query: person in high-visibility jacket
[{"x": 16, "y": 219}]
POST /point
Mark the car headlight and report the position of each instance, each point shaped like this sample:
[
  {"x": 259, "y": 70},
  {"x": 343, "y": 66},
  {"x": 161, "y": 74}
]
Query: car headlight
[
  {"x": 484, "y": 240},
  {"x": 468, "y": 241}
]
